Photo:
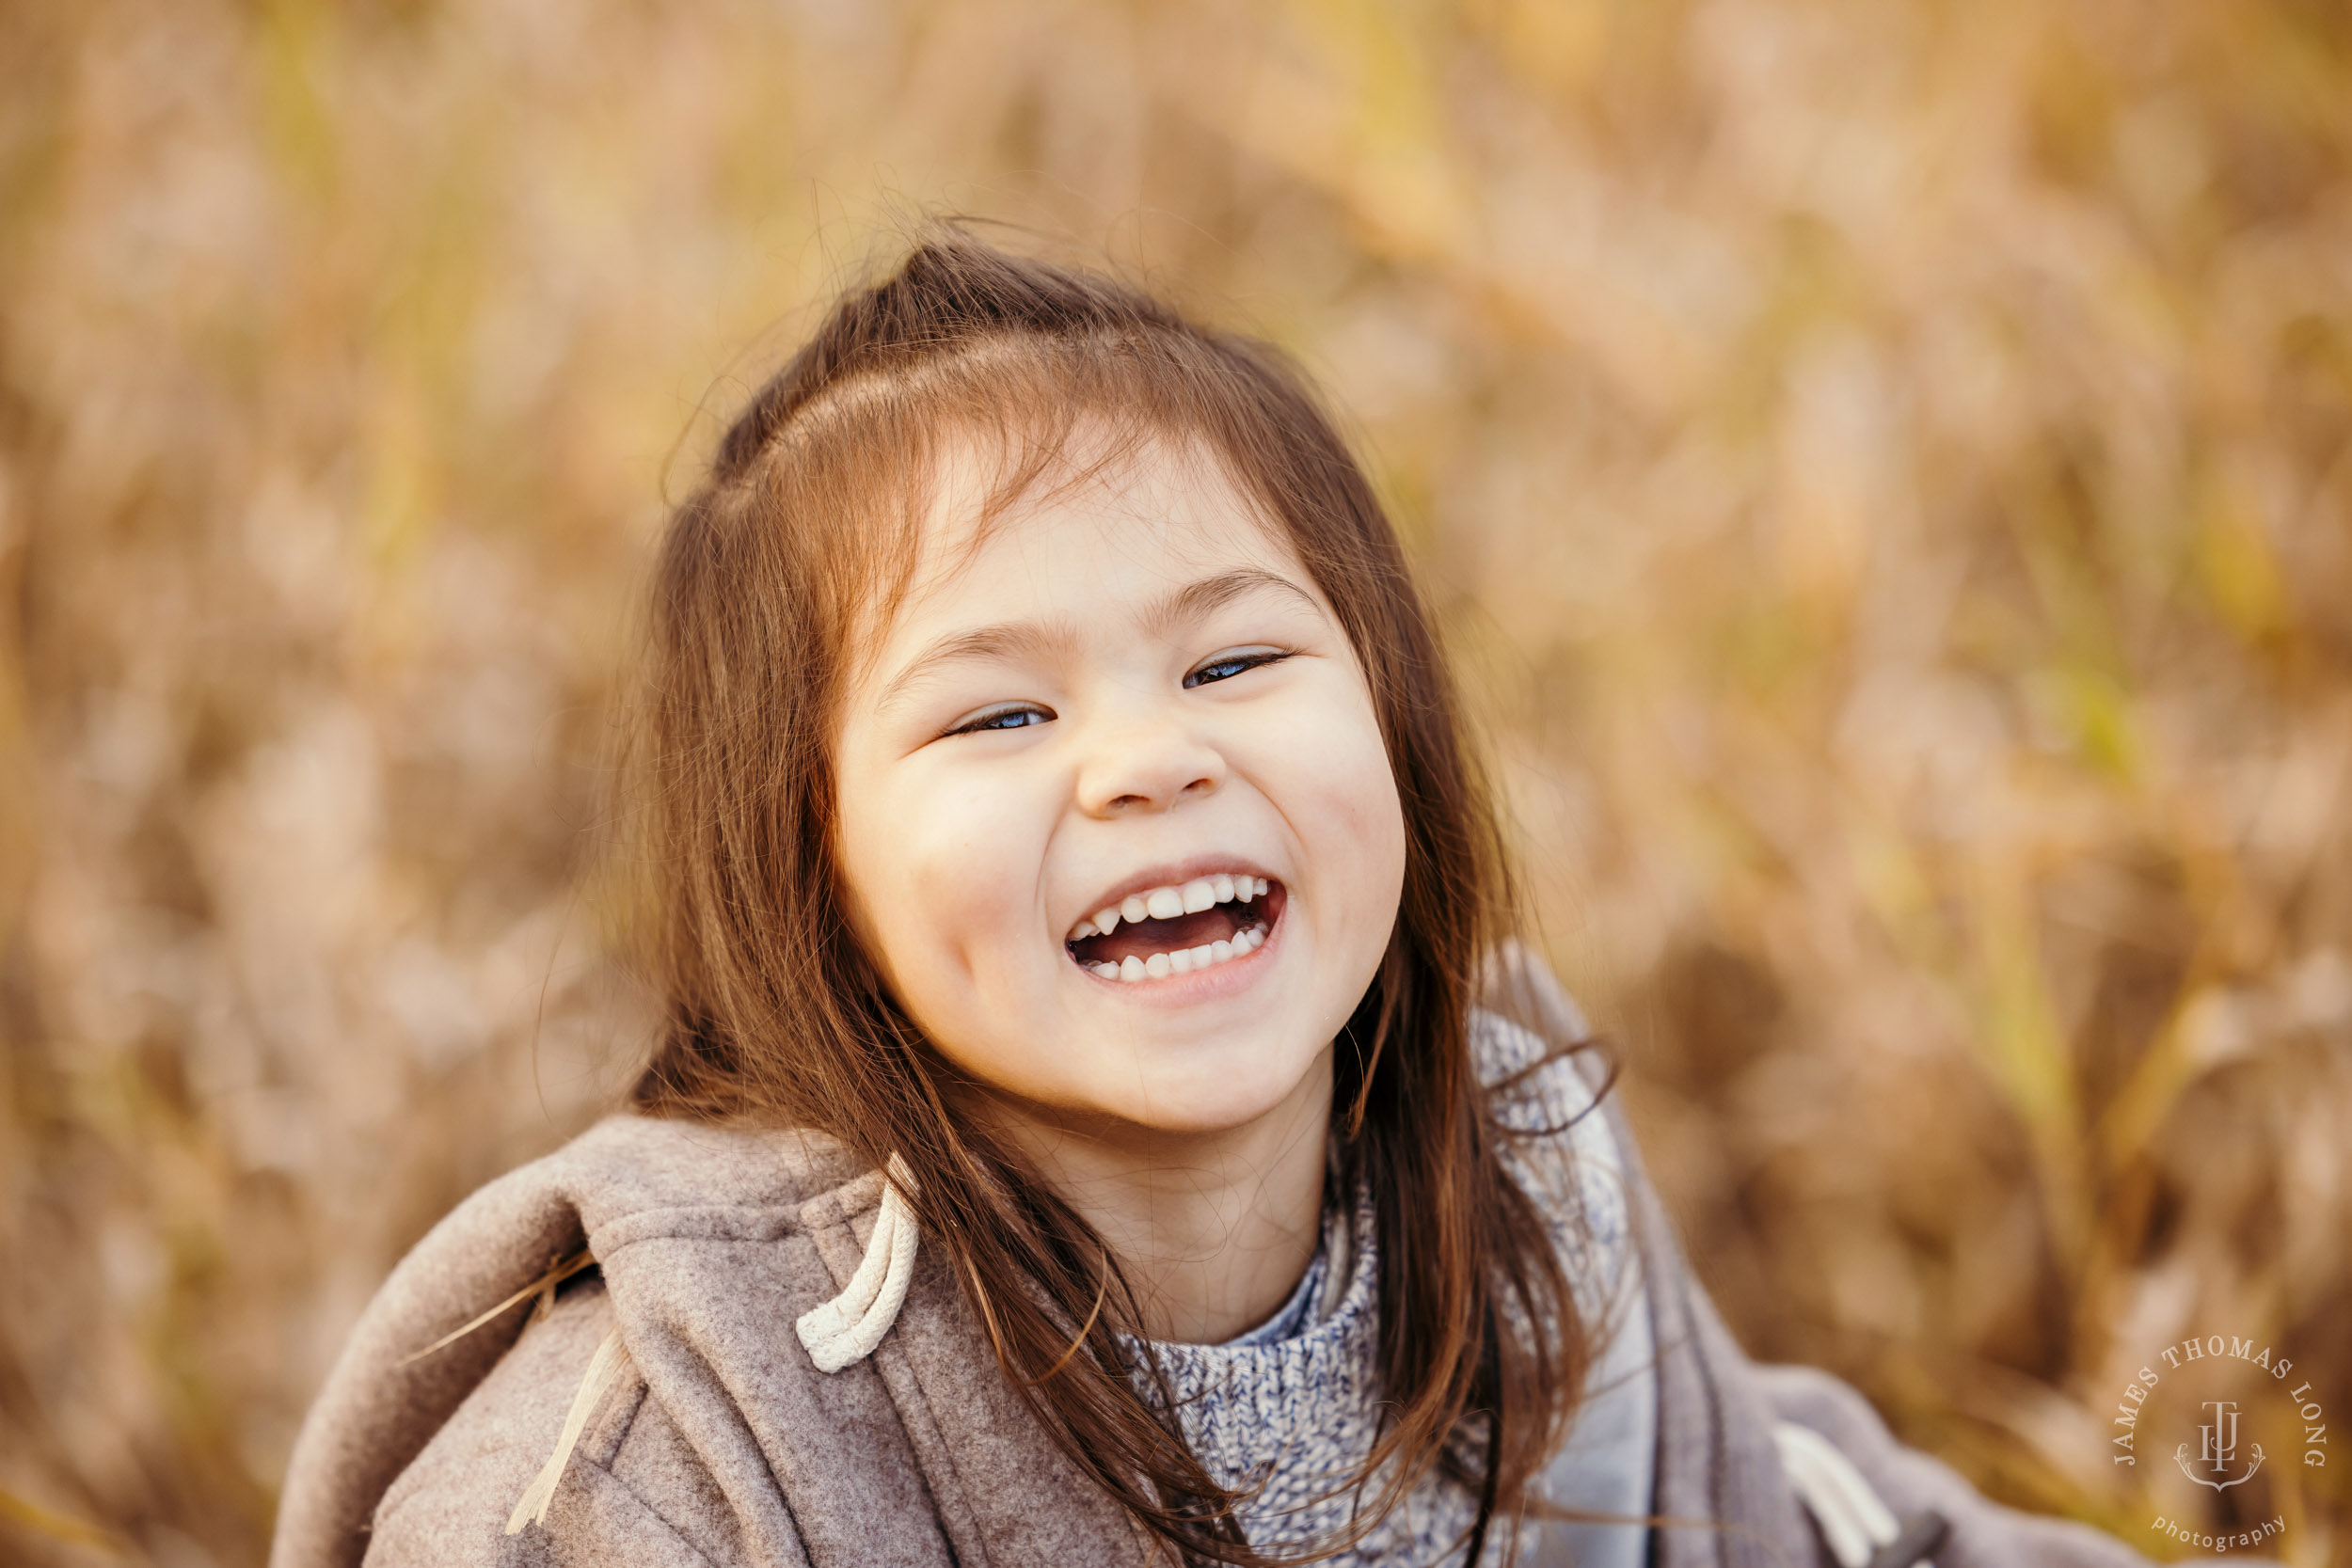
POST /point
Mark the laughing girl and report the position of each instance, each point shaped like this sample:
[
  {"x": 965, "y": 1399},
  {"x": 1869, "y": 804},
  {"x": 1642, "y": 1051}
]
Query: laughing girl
[{"x": 1099, "y": 1115}]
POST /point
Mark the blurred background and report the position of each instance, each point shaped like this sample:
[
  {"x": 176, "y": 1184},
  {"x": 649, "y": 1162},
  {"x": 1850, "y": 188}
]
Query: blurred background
[{"x": 1886, "y": 467}]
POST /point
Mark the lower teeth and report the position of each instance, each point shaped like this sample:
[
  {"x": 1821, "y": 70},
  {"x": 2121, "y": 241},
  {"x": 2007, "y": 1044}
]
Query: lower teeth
[{"x": 1182, "y": 961}]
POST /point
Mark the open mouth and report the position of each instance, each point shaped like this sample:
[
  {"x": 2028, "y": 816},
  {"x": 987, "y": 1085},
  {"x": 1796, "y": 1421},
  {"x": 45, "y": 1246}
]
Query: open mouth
[{"x": 1178, "y": 928}]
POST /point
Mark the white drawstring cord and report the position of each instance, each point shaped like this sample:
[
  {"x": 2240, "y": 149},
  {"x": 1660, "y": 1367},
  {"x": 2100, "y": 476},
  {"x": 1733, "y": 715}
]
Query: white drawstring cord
[
  {"x": 1854, "y": 1522},
  {"x": 604, "y": 1371},
  {"x": 847, "y": 1328}
]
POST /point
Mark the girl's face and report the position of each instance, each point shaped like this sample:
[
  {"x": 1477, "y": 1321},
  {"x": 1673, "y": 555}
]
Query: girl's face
[{"x": 1115, "y": 815}]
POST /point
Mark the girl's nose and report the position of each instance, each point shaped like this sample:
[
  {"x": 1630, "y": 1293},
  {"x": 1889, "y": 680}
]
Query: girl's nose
[{"x": 1148, "y": 767}]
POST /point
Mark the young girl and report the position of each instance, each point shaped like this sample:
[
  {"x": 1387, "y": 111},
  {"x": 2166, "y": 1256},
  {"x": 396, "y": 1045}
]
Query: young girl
[{"x": 1099, "y": 1115}]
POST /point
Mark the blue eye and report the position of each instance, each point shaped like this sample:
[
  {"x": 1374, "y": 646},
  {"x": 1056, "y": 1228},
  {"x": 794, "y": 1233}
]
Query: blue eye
[
  {"x": 1226, "y": 666},
  {"x": 1010, "y": 717}
]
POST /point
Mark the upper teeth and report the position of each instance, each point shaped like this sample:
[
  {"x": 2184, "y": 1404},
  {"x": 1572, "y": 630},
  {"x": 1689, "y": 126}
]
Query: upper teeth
[{"x": 1166, "y": 903}]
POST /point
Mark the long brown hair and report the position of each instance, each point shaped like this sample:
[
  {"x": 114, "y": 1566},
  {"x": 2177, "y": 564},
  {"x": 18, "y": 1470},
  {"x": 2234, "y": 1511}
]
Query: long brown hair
[{"x": 800, "y": 536}]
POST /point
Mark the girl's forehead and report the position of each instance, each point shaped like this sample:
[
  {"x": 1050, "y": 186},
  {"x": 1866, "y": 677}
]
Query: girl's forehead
[{"x": 1090, "y": 522}]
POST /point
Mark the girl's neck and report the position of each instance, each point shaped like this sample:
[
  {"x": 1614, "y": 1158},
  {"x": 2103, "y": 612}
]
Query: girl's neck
[{"x": 1213, "y": 1229}]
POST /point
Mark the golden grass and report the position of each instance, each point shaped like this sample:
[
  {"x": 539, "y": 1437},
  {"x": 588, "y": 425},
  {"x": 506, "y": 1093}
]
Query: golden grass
[{"x": 1886, "y": 467}]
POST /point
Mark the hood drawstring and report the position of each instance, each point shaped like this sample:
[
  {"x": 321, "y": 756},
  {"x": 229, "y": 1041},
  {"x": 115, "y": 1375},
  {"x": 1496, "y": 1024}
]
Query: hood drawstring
[
  {"x": 1858, "y": 1528},
  {"x": 604, "y": 1370},
  {"x": 847, "y": 1328}
]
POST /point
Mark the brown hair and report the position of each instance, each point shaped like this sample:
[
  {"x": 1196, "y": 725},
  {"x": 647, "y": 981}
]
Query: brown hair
[{"x": 776, "y": 1016}]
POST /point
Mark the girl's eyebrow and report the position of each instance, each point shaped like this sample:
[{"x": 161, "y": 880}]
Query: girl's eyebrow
[
  {"x": 1027, "y": 639},
  {"x": 1195, "y": 600},
  {"x": 1004, "y": 640}
]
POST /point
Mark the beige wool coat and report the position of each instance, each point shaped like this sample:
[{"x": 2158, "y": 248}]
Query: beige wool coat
[{"x": 719, "y": 1444}]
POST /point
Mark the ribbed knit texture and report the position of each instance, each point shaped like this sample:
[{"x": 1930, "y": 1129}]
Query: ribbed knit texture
[{"x": 1297, "y": 1414}]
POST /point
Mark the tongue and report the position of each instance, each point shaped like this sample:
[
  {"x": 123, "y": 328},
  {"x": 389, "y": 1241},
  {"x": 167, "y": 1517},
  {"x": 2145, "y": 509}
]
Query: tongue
[{"x": 1142, "y": 937}]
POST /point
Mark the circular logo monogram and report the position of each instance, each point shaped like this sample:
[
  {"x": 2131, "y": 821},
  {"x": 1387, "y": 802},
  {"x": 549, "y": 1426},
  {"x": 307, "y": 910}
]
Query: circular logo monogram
[{"x": 2207, "y": 1416}]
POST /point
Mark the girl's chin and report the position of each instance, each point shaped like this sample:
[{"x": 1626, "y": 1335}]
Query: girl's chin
[{"x": 1230, "y": 1089}]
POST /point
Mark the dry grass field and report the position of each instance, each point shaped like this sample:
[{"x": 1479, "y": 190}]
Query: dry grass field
[{"x": 1887, "y": 469}]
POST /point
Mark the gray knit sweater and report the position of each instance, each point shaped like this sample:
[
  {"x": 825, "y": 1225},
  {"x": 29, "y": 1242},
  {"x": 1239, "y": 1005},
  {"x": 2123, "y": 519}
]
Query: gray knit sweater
[{"x": 1295, "y": 1412}]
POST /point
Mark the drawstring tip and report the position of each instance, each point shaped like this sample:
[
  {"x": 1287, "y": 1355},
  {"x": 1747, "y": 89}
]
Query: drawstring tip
[
  {"x": 845, "y": 1329},
  {"x": 604, "y": 1371}
]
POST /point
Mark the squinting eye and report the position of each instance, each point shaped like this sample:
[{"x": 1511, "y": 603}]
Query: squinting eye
[
  {"x": 1012, "y": 718},
  {"x": 1226, "y": 666}
]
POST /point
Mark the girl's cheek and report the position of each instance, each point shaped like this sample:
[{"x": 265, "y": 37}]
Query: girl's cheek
[
  {"x": 972, "y": 862},
  {"x": 1364, "y": 806},
  {"x": 1343, "y": 760},
  {"x": 903, "y": 869}
]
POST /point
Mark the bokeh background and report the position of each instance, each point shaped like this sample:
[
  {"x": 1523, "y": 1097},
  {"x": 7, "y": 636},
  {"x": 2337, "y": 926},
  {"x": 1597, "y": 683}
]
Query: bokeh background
[{"x": 1887, "y": 469}]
